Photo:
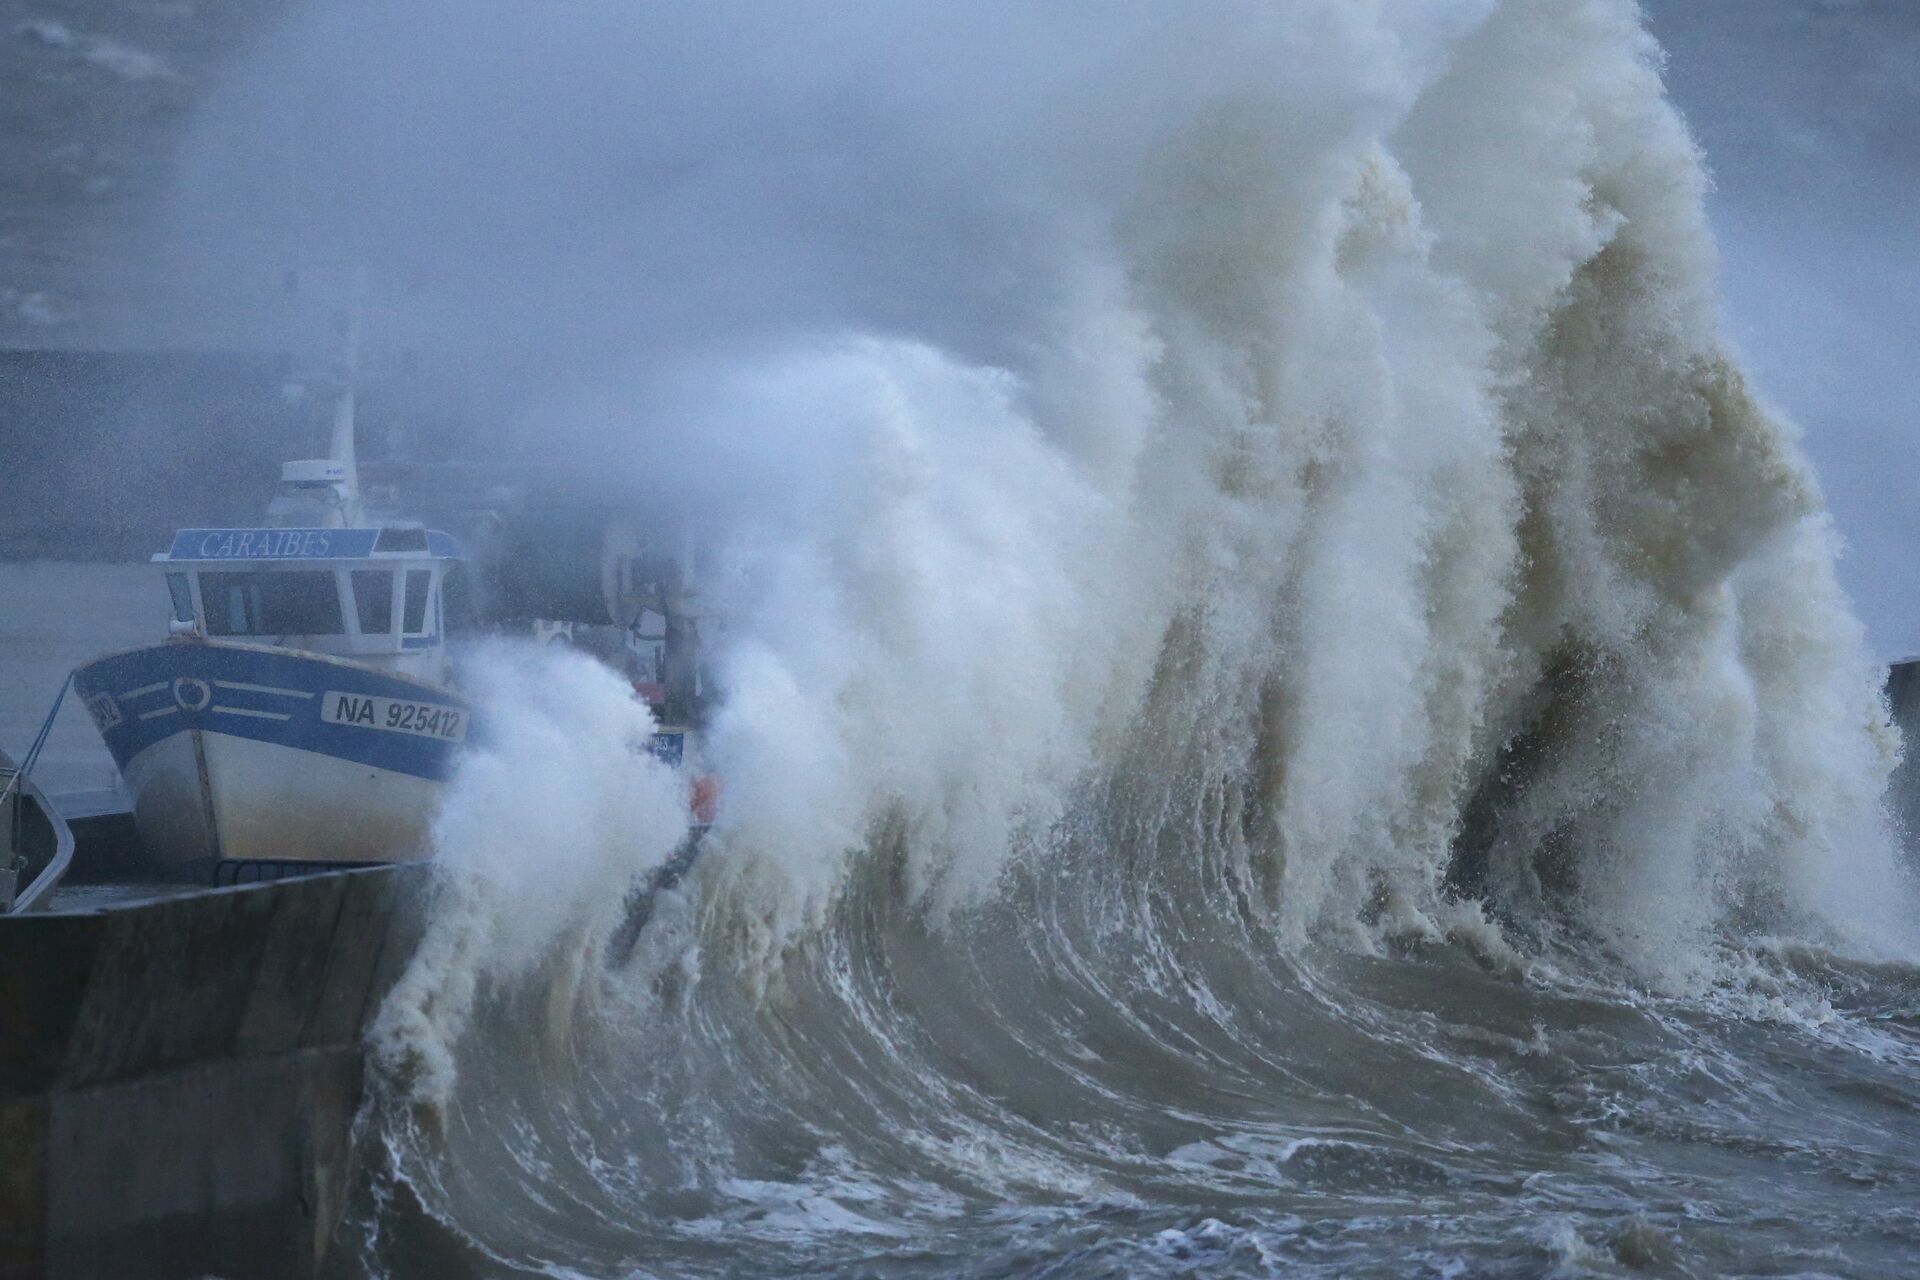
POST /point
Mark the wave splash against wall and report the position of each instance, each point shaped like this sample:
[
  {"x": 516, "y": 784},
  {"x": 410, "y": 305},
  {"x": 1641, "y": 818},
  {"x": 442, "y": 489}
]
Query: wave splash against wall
[{"x": 1241, "y": 545}]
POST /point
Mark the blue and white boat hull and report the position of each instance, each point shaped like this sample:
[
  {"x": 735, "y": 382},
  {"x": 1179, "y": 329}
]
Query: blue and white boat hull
[{"x": 245, "y": 753}]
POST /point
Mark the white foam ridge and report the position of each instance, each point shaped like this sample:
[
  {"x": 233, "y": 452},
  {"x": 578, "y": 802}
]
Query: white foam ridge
[{"x": 1239, "y": 425}]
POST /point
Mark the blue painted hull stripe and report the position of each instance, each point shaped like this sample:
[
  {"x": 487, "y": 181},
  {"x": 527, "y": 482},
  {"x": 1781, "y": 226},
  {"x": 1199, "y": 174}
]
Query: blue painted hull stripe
[{"x": 148, "y": 695}]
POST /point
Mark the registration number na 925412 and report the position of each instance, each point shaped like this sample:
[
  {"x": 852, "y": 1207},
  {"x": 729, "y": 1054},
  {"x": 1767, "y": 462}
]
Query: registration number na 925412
[{"x": 395, "y": 715}]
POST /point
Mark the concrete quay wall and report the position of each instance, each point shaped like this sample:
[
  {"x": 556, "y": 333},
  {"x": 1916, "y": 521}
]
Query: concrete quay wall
[{"x": 178, "y": 1078}]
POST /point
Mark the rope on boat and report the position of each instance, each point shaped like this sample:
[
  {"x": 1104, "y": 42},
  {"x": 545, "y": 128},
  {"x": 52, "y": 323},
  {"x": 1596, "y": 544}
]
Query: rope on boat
[{"x": 39, "y": 741}]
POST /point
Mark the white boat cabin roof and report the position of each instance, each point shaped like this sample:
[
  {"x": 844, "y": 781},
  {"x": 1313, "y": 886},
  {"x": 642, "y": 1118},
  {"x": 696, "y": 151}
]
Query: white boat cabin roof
[{"x": 394, "y": 542}]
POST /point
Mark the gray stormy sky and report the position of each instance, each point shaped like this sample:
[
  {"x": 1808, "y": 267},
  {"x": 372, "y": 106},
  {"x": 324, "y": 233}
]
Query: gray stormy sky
[{"x": 1808, "y": 111}]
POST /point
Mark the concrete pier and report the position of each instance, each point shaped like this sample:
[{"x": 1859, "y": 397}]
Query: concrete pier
[{"x": 178, "y": 1078}]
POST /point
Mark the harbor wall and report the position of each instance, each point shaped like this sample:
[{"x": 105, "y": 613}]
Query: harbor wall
[
  {"x": 105, "y": 453},
  {"x": 178, "y": 1078}
]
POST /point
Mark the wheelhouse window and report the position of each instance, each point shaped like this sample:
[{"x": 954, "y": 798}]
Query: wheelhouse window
[
  {"x": 418, "y": 581},
  {"x": 182, "y": 597},
  {"x": 271, "y": 603},
  {"x": 373, "y": 600}
]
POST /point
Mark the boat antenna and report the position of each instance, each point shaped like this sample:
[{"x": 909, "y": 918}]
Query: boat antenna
[{"x": 346, "y": 373}]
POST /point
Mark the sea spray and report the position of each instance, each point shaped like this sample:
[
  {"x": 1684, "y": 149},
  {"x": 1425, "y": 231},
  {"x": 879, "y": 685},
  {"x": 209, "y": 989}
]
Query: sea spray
[
  {"x": 931, "y": 635},
  {"x": 556, "y": 801},
  {"x": 1211, "y": 507}
]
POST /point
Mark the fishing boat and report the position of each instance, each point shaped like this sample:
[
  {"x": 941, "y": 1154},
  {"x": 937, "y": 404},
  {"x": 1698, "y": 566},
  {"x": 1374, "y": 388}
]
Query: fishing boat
[{"x": 300, "y": 710}]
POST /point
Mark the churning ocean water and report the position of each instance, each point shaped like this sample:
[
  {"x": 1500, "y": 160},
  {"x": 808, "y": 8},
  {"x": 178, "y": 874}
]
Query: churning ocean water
[{"x": 1284, "y": 707}]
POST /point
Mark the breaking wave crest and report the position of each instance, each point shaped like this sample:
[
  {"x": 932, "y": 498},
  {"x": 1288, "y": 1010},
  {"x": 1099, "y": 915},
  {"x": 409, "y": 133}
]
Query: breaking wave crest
[{"x": 1269, "y": 655}]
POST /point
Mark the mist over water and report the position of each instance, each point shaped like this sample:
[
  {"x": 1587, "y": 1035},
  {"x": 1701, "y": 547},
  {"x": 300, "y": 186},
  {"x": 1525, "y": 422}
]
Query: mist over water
[{"x": 1284, "y": 704}]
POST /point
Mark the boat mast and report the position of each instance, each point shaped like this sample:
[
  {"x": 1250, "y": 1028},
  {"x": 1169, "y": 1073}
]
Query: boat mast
[
  {"x": 325, "y": 492},
  {"x": 346, "y": 373}
]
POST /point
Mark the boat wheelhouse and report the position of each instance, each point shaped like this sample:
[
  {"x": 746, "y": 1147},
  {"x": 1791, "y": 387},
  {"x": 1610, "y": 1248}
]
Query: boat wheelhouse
[
  {"x": 299, "y": 712},
  {"x": 373, "y": 595}
]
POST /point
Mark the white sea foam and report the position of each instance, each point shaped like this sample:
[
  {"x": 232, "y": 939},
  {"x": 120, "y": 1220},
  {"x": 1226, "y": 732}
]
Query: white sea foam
[
  {"x": 552, "y": 815},
  {"x": 1279, "y": 408}
]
